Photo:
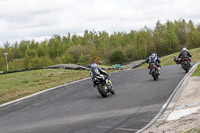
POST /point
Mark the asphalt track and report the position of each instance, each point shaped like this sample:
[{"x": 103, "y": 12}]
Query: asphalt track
[{"x": 78, "y": 108}]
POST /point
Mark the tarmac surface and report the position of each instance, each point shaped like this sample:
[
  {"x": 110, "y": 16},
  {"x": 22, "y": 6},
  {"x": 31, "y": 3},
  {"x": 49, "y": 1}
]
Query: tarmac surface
[{"x": 78, "y": 108}]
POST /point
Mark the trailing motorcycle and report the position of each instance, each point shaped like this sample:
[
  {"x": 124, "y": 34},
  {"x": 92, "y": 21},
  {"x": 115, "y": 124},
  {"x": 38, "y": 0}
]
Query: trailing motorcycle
[
  {"x": 186, "y": 64},
  {"x": 154, "y": 71},
  {"x": 104, "y": 86}
]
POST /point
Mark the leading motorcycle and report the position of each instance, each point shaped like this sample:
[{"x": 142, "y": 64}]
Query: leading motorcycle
[{"x": 186, "y": 64}]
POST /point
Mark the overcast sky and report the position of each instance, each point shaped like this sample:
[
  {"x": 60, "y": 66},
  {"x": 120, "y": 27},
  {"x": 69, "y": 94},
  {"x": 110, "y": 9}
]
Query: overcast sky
[{"x": 40, "y": 19}]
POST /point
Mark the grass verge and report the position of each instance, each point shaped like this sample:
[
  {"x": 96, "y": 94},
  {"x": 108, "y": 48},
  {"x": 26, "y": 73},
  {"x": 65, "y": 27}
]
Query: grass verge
[
  {"x": 194, "y": 130},
  {"x": 17, "y": 85},
  {"x": 197, "y": 71}
]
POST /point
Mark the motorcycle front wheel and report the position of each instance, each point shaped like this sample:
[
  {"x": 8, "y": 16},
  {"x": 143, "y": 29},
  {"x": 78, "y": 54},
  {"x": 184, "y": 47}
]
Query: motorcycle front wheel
[
  {"x": 112, "y": 91},
  {"x": 155, "y": 76},
  {"x": 102, "y": 91}
]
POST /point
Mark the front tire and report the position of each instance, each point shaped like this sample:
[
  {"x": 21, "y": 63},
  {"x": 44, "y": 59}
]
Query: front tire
[
  {"x": 102, "y": 91},
  {"x": 154, "y": 76},
  {"x": 112, "y": 91}
]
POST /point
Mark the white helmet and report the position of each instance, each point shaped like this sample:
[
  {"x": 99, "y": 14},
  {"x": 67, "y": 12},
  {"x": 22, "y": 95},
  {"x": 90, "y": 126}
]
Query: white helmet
[
  {"x": 153, "y": 55},
  {"x": 184, "y": 48}
]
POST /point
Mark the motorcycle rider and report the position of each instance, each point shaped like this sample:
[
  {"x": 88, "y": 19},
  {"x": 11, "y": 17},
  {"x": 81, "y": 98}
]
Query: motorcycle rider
[
  {"x": 184, "y": 54},
  {"x": 97, "y": 72},
  {"x": 154, "y": 59}
]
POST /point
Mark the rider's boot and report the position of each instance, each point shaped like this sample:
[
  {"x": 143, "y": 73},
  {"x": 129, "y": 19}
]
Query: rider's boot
[
  {"x": 111, "y": 88},
  {"x": 109, "y": 84},
  {"x": 159, "y": 70},
  {"x": 94, "y": 85}
]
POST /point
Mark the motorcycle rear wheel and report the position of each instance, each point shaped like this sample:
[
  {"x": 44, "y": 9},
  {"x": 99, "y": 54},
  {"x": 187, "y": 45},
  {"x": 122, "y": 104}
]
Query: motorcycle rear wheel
[{"x": 186, "y": 68}]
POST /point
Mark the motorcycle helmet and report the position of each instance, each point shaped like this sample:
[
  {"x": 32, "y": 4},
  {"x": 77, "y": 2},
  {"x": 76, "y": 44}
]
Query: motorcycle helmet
[
  {"x": 184, "y": 48},
  {"x": 153, "y": 55}
]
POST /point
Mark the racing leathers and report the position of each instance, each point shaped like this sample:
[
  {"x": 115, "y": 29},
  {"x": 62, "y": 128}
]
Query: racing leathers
[
  {"x": 184, "y": 54},
  {"x": 97, "y": 72}
]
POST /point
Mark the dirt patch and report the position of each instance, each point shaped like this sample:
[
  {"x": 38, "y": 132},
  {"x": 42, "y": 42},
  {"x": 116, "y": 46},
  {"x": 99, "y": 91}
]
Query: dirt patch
[{"x": 183, "y": 124}]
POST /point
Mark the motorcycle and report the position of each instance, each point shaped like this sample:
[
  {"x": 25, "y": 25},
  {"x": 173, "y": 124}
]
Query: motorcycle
[
  {"x": 186, "y": 64},
  {"x": 154, "y": 71},
  {"x": 104, "y": 86}
]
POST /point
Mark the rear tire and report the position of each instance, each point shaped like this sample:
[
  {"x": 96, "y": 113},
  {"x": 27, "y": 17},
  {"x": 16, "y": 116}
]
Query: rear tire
[
  {"x": 186, "y": 69},
  {"x": 102, "y": 91}
]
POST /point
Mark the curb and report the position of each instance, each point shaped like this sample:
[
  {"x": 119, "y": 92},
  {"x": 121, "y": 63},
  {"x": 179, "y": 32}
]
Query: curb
[
  {"x": 40, "y": 68},
  {"x": 168, "y": 106}
]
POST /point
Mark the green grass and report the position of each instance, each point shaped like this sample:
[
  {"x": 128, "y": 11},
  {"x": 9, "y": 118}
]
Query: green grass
[
  {"x": 168, "y": 60},
  {"x": 17, "y": 85},
  {"x": 197, "y": 71},
  {"x": 105, "y": 66},
  {"x": 194, "y": 130}
]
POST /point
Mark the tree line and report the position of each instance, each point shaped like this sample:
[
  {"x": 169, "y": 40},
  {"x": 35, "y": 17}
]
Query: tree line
[{"x": 119, "y": 47}]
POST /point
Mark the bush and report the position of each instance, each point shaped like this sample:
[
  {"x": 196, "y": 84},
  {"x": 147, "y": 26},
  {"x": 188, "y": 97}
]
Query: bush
[{"x": 117, "y": 57}]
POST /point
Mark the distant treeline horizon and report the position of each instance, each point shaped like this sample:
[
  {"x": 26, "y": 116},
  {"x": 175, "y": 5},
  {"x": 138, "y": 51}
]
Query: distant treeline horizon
[{"x": 118, "y": 47}]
